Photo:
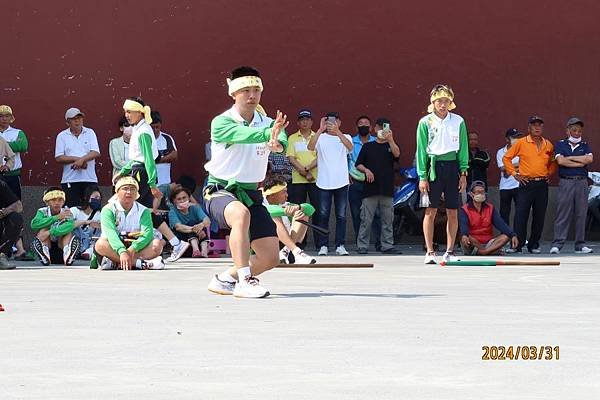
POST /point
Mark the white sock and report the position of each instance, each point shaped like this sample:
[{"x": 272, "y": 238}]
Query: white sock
[
  {"x": 138, "y": 263},
  {"x": 225, "y": 276},
  {"x": 243, "y": 273},
  {"x": 174, "y": 241},
  {"x": 65, "y": 250},
  {"x": 297, "y": 251}
]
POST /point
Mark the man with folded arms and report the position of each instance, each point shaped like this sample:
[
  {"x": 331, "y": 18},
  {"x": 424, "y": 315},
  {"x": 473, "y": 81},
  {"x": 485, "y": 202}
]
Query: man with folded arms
[{"x": 572, "y": 156}]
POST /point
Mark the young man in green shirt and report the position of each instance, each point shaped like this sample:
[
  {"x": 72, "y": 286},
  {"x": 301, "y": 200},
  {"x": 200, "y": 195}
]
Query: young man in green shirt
[
  {"x": 127, "y": 240},
  {"x": 54, "y": 224},
  {"x": 142, "y": 152},
  {"x": 241, "y": 140},
  {"x": 442, "y": 164}
]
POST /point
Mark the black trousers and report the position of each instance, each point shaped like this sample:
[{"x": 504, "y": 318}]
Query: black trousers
[
  {"x": 507, "y": 197},
  {"x": 11, "y": 227},
  {"x": 74, "y": 192},
  {"x": 14, "y": 183},
  {"x": 531, "y": 197}
]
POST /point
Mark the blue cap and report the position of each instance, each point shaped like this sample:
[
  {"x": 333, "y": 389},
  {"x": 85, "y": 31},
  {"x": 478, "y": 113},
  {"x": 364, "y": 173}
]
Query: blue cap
[
  {"x": 535, "y": 118},
  {"x": 304, "y": 113}
]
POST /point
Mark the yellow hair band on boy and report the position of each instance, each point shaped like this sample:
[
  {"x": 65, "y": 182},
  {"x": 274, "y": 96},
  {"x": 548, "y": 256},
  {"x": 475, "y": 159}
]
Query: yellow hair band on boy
[
  {"x": 274, "y": 189},
  {"x": 132, "y": 105},
  {"x": 243, "y": 82},
  {"x": 442, "y": 93},
  {"x": 54, "y": 194}
]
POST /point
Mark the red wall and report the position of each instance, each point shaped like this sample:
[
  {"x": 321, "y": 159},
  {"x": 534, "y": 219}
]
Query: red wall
[{"x": 505, "y": 61}]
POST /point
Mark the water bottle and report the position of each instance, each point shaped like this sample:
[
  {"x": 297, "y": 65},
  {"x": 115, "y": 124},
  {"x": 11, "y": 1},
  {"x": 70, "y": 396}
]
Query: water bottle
[{"x": 425, "y": 200}]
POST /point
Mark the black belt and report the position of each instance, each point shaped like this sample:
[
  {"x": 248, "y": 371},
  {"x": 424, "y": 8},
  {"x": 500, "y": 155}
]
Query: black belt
[{"x": 575, "y": 177}]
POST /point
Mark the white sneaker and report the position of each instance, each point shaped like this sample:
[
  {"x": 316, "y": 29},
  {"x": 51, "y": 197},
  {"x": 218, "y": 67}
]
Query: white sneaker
[
  {"x": 106, "y": 264},
  {"x": 73, "y": 249},
  {"x": 584, "y": 250},
  {"x": 221, "y": 287},
  {"x": 178, "y": 251},
  {"x": 554, "y": 250},
  {"x": 431, "y": 258},
  {"x": 155, "y": 263},
  {"x": 41, "y": 250},
  {"x": 537, "y": 250},
  {"x": 283, "y": 256},
  {"x": 449, "y": 256},
  {"x": 323, "y": 251},
  {"x": 510, "y": 250},
  {"x": 250, "y": 288},
  {"x": 341, "y": 251},
  {"x": 303, "y": 258}
]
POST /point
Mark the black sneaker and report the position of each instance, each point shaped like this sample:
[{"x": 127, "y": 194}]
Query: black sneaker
[
  {"x": 362, "y": 251},
  {"x": 43, "y": 252},
  {"x": 391, "y": 250},
  {"x": 74, "y": 245}
]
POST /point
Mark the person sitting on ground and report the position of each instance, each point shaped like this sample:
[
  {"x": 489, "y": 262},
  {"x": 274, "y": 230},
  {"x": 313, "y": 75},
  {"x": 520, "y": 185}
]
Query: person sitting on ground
[
  {"x": 54, "y": 225},
  {"x": 11, "y": 223},
  {"x": 286, "y": 217},
  {"x": 127, "y": 238},
  {"x": 87, "y": 220},
  {"x": 477, "y": 220},
  {"x": 188, "y": 221}
]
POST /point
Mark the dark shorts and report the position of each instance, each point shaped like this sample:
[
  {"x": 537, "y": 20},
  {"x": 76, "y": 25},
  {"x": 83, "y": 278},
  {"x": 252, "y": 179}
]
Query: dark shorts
[
  {"x": 446, "y": 182},
  {"x": 216, "y": 198},
  {"x": 186, "y": 237},
  {"x": 74, "y": 192},
  {"x": 138, "y": 172}
]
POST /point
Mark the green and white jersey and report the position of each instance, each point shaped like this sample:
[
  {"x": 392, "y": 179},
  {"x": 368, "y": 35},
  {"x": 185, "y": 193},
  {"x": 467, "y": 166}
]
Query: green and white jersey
[
  {"x": 17, "y": 141},
  {"x": 441, "y": 139},
  {"x": 115, "y": 221},
  {"x": 135, "y": 145},
  {"x": 239, "y": 149}
]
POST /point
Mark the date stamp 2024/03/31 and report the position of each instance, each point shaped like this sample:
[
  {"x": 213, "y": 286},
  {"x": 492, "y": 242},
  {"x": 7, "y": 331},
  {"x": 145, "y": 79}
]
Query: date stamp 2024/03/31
[{"x": 520, "y": 353}]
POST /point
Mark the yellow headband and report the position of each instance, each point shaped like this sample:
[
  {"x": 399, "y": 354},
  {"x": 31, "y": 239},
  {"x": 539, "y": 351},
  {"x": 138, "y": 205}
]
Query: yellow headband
[
  {"x": 54, "y": 194},
  {"x": 7, "y": 110},
  {"x": 127, "y": 181},
  {"x": 274, "y": 189},
  {"x": 131, "y": 105},
  {"x": 243, "y": 82},
  {"x": 441, "y": 94}
]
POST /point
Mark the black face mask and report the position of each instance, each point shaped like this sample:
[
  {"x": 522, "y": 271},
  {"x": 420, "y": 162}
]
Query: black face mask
[
  {"x": 363, "y": 130},
  {"x": 95, "y": 204}
]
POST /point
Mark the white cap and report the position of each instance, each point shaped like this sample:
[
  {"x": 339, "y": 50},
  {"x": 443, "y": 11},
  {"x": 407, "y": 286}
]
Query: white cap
[{"x": 73, "y": 112}]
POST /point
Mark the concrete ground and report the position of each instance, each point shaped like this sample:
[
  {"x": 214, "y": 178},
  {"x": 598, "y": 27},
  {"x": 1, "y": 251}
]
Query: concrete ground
[{"x": 401, "y": 330}]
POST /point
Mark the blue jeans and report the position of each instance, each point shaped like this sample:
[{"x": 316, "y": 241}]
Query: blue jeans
[
  {"x": 340, "y": 198},
  {"x": 355, "y": 198}
]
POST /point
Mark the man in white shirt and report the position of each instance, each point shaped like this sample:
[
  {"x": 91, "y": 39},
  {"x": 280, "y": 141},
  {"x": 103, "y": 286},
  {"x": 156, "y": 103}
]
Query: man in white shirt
[
  {"x": 508, "y": 184},
  {"x": 167, "y": 151},
  {"x": 76, "y": 149},
  {"x": 332, "y": 147}
]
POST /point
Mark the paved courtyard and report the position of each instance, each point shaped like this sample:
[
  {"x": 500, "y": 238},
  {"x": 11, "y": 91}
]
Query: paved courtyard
[{"x": 401, "y": 330}]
